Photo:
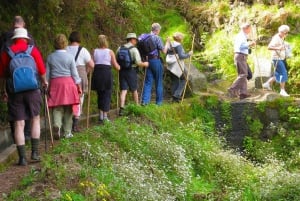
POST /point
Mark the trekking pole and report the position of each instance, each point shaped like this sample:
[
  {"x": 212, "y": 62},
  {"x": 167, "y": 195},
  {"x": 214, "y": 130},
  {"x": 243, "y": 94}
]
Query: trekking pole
[
  {"x": 187, "y": 76},
  {"x": 143, "y": 83},
  {"x": 89, "y": 101},
  {"x": 45, "y": 121},
  {"x": 48, "y": 116},
  {"x": 181, "y": 68},
  {"x": 118, "y": 88},
  {"x": 255, "y": 54}
]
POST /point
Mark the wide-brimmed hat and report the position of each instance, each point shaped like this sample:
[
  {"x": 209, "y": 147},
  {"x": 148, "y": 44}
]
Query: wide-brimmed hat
[
  {"x": 20, "y": 33},
  {"x": 131, "y": 35}
]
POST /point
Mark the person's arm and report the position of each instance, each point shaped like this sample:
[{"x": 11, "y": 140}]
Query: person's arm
[
  {"x": 138, "y": 60},
  {"x": 181, "y": 52},
  {"x": 274, "y": 45},
  {"x": 75, "y": 76},
  {"x": 40, "y": 66},
  {"x": 114, "y": 61}
]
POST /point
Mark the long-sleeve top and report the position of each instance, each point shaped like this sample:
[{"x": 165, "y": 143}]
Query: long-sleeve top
[
  {"x": 179, "y": 50},
  {"x": 159, "y": 44},
  {"x": 277, "y": 42},
  {"x": 240, "y": 43},
  {"x": 62, "y": 64},
  {"x": 21, "y": 45}
]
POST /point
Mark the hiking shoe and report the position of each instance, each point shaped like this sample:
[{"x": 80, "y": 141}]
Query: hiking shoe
[
  {"x": 106, "y": 120},
  {"x": 232, "y": 93},
  {"x": 243, "y": 96},
  {"x": 266, "y": 85},
  {"x": 175, "y": 99},
  {"x": 35, "y": 156},
  {"x": 56, "y": 133},
  {"x": 283, "y": 93},
  {"x": 22, "y": 161},
  {"x": 121, "y": 111},
  {"x": 69, "y": 135}
]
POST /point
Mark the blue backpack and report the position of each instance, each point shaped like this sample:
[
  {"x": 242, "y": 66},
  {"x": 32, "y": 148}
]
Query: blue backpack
[
  {"x": 124, "y": 57},
  {"x": 22, "y": 70}
]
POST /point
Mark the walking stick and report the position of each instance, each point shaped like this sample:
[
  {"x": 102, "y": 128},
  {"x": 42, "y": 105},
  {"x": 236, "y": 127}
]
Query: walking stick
[
  {"x": 143, "y": 84},
  {"x": 89, "y": 101},
  {"x": 45, "y": 121},
  {"x": 118, "y": 88},
  {"x": 255, "y": 35},
  {"x": 187, "y": 76},
  {"x": 48, "y": 116},
  {"x": 182, "y": 70}
]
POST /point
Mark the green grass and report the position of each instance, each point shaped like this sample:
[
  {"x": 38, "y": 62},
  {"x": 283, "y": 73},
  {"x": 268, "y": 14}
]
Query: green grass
[{"x": 158, "y": 153}]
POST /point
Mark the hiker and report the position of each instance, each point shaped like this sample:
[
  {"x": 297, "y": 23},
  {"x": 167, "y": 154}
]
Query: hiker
[
  {"x": 278, "y": 49},
  {"x": 176, "y": 66},
  {"x": 241, "y": 51},
  {"x": 102, "y": 80},
  {"x": 26, "y": 104},
  {"x": 65, "y": 87},
  {"x": 155, "y": 69},
  {"x": 84, "y": 64},
  {"x": 128, "y": 75},
  {"x": 6, "y": 41}
]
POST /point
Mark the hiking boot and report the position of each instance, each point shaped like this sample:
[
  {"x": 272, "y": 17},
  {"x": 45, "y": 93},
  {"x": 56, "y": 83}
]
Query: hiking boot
[
  {"x": 175, "y": 99},
  {"x": 232, "y": 93},
  {"x": 22, "y": 161},
  {"x": 35, "y": 156},
  {"x": 75, "y": 127},
  {"x": 121, "y": 111},
  {"x": 283, "y": 93},
  {"x": 266, "y": 85},
  {"x": 243, "y": 96},
  {"x": 22, "y": 155},
  {"x": 56, "y": 133}
]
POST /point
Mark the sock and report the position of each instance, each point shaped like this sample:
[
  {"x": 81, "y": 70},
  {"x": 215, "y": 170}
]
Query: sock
[
  {"x": 35, "y": 144},
  {"x": 21, "y": 151}
]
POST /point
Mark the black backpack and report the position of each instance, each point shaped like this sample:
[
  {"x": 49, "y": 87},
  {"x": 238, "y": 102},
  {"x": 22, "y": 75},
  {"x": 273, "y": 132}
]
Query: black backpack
[
  {"x": 145, "y": 44},
  {"x": 124, "y": 57}
]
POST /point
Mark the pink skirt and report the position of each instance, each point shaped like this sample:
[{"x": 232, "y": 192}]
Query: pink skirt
[{"x": 63, "y": 91}]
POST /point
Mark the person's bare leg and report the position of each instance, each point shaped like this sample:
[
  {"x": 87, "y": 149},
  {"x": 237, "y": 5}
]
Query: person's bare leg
[
  {"x": 20, "y": 141},
  {"x": 35, "y": 137},
  {"x": 135, "y": 96},
  {"x": 123, "y": 98}
]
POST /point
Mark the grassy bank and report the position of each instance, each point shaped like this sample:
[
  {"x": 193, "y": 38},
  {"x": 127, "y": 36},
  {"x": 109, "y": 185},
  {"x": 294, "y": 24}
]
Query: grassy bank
[{"x": 156, "y": 153}]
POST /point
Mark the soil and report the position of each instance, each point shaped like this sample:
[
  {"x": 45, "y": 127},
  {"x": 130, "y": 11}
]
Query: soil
[{"x": 12, "y": 175}]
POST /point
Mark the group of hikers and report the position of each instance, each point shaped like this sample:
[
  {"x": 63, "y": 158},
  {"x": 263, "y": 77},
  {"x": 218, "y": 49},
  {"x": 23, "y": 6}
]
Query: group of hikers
[
  {"x": 63, "y": 79},
  {"x": 242, "y": 48}
]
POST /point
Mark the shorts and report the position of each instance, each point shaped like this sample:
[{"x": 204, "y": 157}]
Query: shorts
[
  {"x": 24, "y": 105},
  {"x": 128, "y": 79}
]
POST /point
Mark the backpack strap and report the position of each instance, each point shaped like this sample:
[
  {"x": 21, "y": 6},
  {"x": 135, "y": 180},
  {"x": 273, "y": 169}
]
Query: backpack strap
[
  {"x": 29, "y": 49},
  {"x": 78, "y": 51},
  {"x": 10, "y": 52}
]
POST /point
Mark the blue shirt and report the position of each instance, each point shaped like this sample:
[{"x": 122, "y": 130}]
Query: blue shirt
[
  {"x": 159, "y": 44},
  {"x": 240, "y": 43}
]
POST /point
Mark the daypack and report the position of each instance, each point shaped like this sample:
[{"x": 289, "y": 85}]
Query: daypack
[
  {"x": 22, "y": 70},
  {"x": 145, "y": 44},
  {"x": 124, "y": 57}
]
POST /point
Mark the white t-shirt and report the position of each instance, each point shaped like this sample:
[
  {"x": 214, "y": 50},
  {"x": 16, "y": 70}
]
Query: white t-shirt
[{"x": 84, "y": 56}]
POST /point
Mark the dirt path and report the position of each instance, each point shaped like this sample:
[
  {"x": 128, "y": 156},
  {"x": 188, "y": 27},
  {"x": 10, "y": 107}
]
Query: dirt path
[{"x": 11, "y": 177}]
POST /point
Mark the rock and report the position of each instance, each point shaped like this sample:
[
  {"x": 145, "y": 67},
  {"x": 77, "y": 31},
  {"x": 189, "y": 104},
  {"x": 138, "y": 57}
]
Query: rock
[{"x": 197, "y": 79}]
